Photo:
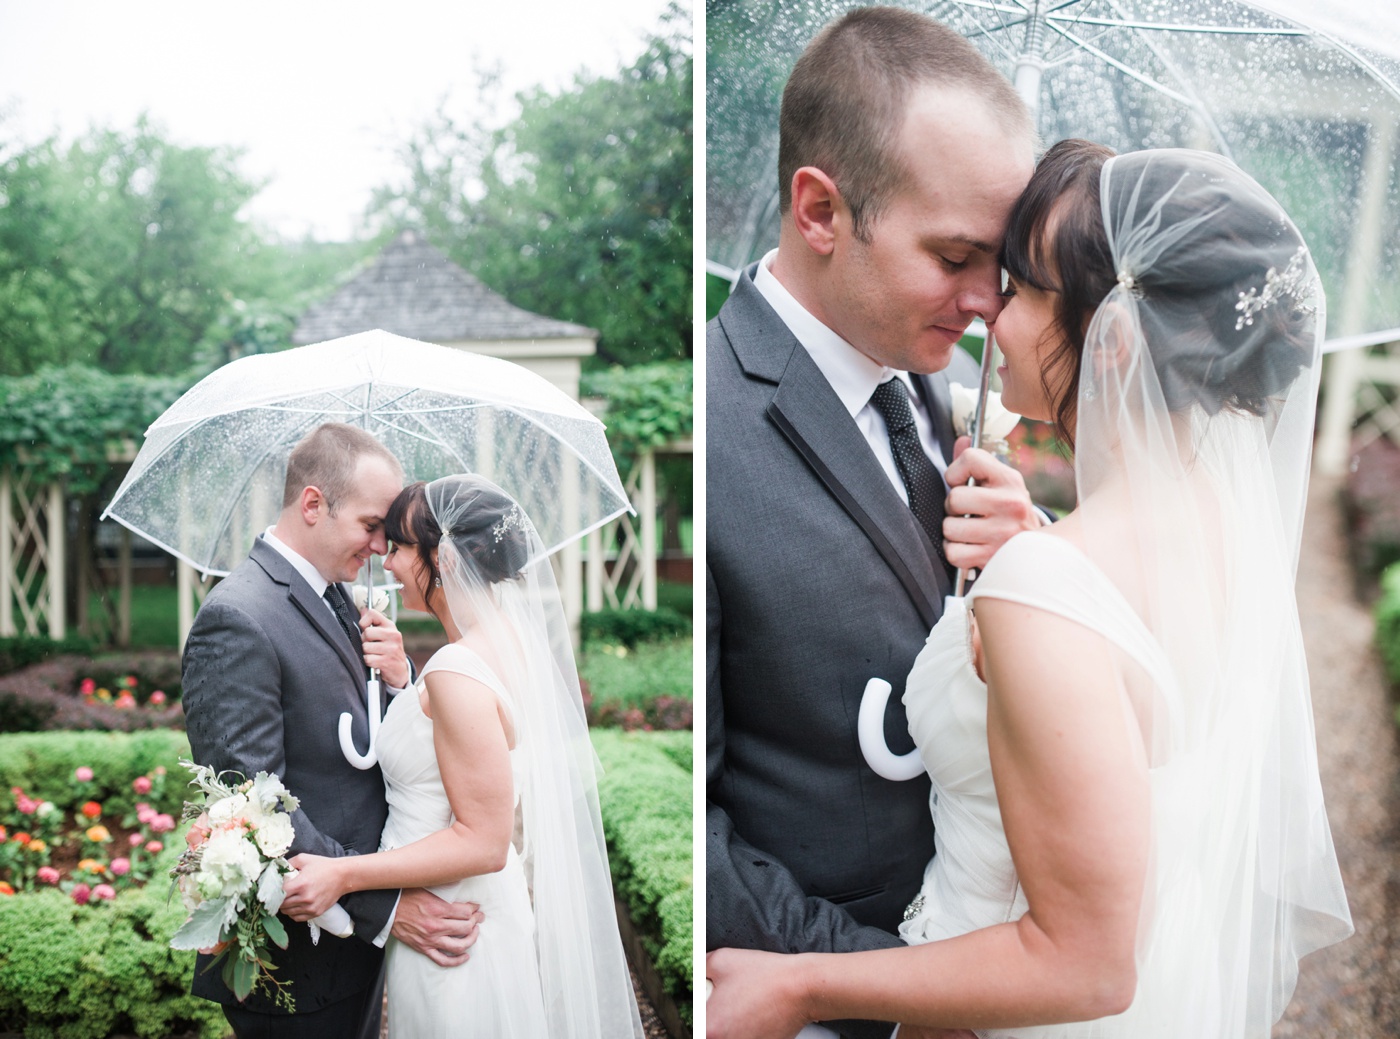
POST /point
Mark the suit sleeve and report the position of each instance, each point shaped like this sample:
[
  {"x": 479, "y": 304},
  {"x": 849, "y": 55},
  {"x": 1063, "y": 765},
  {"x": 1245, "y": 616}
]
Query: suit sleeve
[
  {"x": 751, "y": 900},
  {"x": 233, "y": 717}
]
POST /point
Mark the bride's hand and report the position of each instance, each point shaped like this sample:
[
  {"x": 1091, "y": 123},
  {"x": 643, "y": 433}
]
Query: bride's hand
[
  {"x": 756, "y": 995},
  {"x": 314, "y": 889}
]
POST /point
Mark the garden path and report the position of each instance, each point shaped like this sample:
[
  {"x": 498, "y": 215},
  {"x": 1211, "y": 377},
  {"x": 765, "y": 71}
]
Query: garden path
[{"x": 1350, "y": 990}]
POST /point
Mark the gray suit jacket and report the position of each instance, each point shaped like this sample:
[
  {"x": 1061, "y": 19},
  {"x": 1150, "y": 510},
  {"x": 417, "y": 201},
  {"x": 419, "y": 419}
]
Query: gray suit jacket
[
  {"x": 267, "y": 673},
  {"x": 818, "y": 579}
]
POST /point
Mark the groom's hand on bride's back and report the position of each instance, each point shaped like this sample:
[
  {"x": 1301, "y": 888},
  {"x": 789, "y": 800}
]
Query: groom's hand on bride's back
[
  {"x": 442, "y": 931},
  {"x": 980, "y": 519}
]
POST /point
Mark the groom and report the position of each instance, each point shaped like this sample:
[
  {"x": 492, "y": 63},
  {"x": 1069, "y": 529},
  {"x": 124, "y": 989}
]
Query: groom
[
  {"x": 274, "y": 656},
  {"x": 828, "y": 556}
]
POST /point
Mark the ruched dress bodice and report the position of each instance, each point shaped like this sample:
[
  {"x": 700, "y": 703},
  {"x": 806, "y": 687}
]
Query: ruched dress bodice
[
  {"x": 971, "y": 881},
  {"x": 497, "y": 992}
]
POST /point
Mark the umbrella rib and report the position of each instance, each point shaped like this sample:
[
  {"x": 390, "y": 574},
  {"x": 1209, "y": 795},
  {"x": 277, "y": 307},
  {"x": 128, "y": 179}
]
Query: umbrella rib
[
  {"x": 1218, "y": 30},
  {"x": 1127, "y": 70}
]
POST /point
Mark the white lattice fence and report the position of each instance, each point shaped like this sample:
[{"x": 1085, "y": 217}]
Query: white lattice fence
[
  {"x": 32, "y": 556},
  {"x": 632, "y": 580}
]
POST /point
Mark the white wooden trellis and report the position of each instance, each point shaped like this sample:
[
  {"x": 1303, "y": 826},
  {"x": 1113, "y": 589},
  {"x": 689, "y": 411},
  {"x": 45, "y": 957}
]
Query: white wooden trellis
[
  {"x": 632, "y": 580},
  {"x": 32, "y": 555}
]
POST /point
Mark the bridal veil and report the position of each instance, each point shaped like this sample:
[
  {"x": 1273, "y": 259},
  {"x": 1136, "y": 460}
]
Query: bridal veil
[
  {"x": 497, "y": 579},
  {"x": 1195, "y": 413}
]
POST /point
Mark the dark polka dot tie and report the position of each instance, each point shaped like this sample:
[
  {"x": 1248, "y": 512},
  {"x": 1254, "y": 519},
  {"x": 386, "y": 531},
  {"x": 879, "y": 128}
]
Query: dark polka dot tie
[{"x": 921, "y": 479}]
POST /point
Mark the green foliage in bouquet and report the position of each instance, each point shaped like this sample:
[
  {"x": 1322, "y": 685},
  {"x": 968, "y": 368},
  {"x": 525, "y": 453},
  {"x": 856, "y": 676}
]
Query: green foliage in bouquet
[
  {"x": 1388, "y": 624},
  {"x": 646, "y": 805},
  {"x": 70, "y": 971}
]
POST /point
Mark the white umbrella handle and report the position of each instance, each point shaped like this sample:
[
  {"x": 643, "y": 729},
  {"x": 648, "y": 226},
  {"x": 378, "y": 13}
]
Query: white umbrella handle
[
  {"x": 870, "y": 725},
  {"x": 347, "y": 743}
]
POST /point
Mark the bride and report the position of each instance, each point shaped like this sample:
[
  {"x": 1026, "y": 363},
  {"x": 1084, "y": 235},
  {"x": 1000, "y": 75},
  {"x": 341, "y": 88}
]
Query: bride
[
  {"x": 491, "y": 789},
  {"x": 1130, "y": 831}
]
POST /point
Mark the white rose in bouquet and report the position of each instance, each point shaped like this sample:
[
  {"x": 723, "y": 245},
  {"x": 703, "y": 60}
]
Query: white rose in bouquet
[
  {"x": 275, "y": 835},
  {"x": 227, "y": 809},
  {"x": 231, "y": 857}
]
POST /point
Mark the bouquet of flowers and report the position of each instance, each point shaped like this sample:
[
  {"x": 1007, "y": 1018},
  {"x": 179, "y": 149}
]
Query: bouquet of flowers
[{"x": 230, "y": 878}]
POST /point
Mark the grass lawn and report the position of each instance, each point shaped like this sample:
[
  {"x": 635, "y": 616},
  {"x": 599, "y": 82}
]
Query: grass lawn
[{"x": 155, "y": 615}]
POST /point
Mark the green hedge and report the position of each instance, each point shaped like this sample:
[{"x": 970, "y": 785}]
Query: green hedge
[
  {"x": 1388, "y": 623},
  {"x": 86, "y": 972},
  {"x": 646, "y": 804},
  {"x": 42, "y": 763}
]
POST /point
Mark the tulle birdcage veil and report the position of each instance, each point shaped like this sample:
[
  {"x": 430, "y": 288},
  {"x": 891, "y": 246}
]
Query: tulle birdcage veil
[
  {"x": 497, "y": 580},
  {"x": 1196, "y": 401}
]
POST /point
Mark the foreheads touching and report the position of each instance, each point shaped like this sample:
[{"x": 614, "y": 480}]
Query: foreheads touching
[
  {"x": 845, "y": 102},
  {"x": 1055, "y": 242}
]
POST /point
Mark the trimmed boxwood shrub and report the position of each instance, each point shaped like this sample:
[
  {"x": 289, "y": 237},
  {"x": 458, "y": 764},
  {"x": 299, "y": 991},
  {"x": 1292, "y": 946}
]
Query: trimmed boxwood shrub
[
  {"x": 632, "y": 627},
  {"x": 86, "y": 972},
  {"x": 646, "y": 805},
  {"x": 1388, "y": 624},
  {"x": 17, "y": 651},
  {"x": 43, "y": 763},
  {"x": 648, "y": 687}
]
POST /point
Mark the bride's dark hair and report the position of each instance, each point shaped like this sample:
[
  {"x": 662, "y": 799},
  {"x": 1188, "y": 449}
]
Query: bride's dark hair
[
  {"x": 1207, "y": 350},
  {"x": 1069, "y": 257}
]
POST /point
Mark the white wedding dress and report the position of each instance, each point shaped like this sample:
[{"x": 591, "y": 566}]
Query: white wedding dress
[
  {"x": 971, "y": 882},
  {"x": 496, "y": 994}
]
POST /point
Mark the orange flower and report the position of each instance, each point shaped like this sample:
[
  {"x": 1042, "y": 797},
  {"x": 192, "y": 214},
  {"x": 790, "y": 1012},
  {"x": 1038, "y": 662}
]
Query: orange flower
[
  {"x": 21, "y": 837},
  {"x": 91, "y": 866},
  {"x": 91, "y": 809},
  {"x": 37, "y": 846},
  {"x": 98, "y": 834},
  {"x": 6, "y": 889}
]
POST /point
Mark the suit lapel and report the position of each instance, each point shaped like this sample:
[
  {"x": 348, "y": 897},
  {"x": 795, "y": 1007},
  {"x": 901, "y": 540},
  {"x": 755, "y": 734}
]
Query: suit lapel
[
  {"x": 311, "y": 605},
  {"x": 808, "y": 412}
]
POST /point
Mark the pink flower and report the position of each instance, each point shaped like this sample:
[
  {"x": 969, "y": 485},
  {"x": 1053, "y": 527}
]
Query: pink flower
[
  {"x": 26, "y": 805},
  {"x": 162, "y": 823},
  {"x": 121, "y": 867},
  {"x": 47, "y": 875},
  {"x": 83, "y": 774},
  {"x": 88, "y": 687},
  {"x": 157, "y": 698},
  {"x": 144, "y": 814},
  {"x": 81, "y": 893},
  {"x": 155, "y": 847},
  {"x": 141, "y": 784},
  {"x": 160, "y": 770},
  {"x": 105, "y": 892},
  {"x": 125, "y": 700},
  {"x": 135, "y": 840}
]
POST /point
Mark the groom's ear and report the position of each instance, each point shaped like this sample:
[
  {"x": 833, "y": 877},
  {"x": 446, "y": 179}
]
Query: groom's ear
[
  {"x": 817, "y": 208},
  {"x": 310, "y": 505}
]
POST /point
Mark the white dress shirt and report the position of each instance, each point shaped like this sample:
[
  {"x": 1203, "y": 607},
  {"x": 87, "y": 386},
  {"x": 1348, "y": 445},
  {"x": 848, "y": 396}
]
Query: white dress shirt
[{"x": 852, "y": 374}]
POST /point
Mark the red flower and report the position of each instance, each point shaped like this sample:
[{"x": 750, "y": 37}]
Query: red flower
[
  {"x": 81, "y": 893},
  {"x": 157, "y": 698},
  {"x": 6, "y": 889},
  {"x": 22, "y": 838},
  {"x": 91, "y": 809},
  {"x": 88, "y": 687}
]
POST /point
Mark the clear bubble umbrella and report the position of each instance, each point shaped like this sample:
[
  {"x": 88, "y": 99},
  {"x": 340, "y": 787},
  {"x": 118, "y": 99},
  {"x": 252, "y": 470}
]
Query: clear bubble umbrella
[
  {"x": 1303, "y": 94},
  {"x": 208, "y": 478}
]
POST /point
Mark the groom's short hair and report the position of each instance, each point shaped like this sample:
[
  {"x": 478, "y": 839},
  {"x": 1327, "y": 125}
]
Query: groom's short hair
[
  {"x": 326, "y": 458},
  {"x": 844, "y": 104}
]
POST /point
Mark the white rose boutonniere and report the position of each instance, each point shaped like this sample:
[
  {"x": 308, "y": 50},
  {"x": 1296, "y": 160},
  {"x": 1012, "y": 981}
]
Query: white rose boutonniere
[
  {"x": 381, "y": 598},
  {"x": 996, "y": 426}
]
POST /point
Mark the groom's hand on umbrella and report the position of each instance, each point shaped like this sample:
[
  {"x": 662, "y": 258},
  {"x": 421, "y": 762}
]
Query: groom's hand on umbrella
[
  {"x": 383, "y": 644},
  {"x": 442, "y": 931},
  {"x": 980, "y": 519}
]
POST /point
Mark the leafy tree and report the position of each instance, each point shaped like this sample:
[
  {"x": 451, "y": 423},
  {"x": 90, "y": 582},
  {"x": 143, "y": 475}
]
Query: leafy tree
[
  {"x": 126, "y": 252},
  {"x": 581, "y": 207}
]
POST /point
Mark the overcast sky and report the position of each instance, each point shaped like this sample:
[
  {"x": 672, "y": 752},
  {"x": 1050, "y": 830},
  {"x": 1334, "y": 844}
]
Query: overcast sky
[{"x": 318, "y": 93}]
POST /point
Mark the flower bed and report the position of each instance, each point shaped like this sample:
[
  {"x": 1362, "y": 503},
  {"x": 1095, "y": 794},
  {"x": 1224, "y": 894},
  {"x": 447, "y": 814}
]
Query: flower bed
[
  {"x": 117, "y": 693},
  {"x": 646, "y": 805},
  {"x": 84, "y": 948}
]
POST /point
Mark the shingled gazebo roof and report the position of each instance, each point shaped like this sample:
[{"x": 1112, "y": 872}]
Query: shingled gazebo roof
[{"x": 412, "y": 289}]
